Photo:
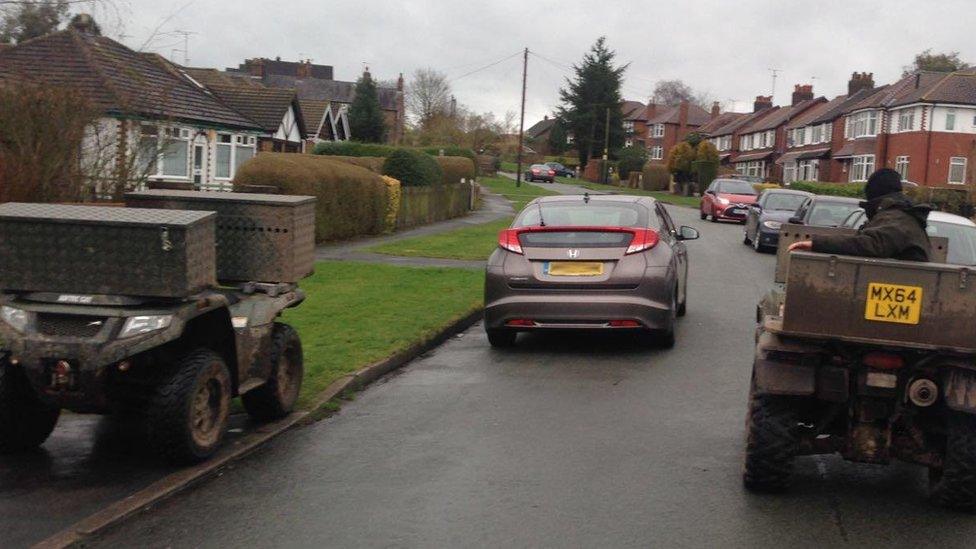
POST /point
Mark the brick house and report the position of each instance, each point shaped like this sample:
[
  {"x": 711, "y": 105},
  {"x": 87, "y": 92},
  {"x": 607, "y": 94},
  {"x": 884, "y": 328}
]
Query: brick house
[
  {"x": 720, "y": 131},
  {"x": 537, "y": 136},
  {"x": 923, "y": 126},
  {"x": 316, "y": 83},
  {"x": 808, "y": 140},
  {"x": 155, "y": 122},
  {"x": 726, "y": 137},
  {"x": 666, "y": 126},
  {"x": 761, "y": 142},
  {"x": 635, "y": 123}
]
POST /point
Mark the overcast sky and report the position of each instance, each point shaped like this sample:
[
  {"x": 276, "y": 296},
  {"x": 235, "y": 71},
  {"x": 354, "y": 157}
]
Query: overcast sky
[{"x": 722, "y": 47}]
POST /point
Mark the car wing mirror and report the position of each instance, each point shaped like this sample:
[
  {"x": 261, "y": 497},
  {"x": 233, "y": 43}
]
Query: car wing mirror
[
  {"x": 688, "y": 233},
  {"x": 796, "y": 221}
]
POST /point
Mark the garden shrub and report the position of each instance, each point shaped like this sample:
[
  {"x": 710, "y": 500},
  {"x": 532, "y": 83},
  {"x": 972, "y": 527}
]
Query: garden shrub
[
  {"x": 413, "y": 168},
  {"x": 351, "y": 201},
  {"x": 656, "y": 177},
  {"x": 393, "y": 196},
  {"x": 853, "y": 190},
  {"x": 450, "y": 150},
  {"x": 631, "y": 159},
  {"x": 353, "y": 148},
  {"x": 455, "y": 168},
  {"x": 760, "y": 187},
  {"x": 371, "y": 163}
]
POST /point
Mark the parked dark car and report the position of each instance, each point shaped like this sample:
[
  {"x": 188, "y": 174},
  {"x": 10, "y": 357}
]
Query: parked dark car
[
  {"x": 540, "y": 172},
  {"x": 825, "y": 211},
  {"x": 607, "y": 262},
  {"x": 767, "y": 215},
  {"x": 561, "y": 171},
  {"x": 727, "y": 199}
]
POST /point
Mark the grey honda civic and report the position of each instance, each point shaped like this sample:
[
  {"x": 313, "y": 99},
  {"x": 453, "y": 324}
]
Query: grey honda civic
[{"x": 602, "y": 262}]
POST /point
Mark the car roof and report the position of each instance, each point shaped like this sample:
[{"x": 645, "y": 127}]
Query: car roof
[
  {"x": 787, "y": 191},
  {"x": 944, "y": 217},
  {"x": 840, "y": 199}
]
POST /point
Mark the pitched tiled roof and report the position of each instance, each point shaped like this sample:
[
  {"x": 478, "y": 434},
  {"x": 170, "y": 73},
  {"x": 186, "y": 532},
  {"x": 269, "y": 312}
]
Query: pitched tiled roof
[
  {"x": 720, "y": 121},
  {"x": 781, "y": 115},
  {"x": 740, "y": 122},
  {"x": 540, "y": 127},
  {"x": 264, "y": 105},
  {"x": 313, "y": 111},
  {"x": 842, "y": 107},
  {"x": 672, "y": 115},
  {"x": 117, "y": 79},
  {"x": 633, "y": 110},
  {"x": 336, "y": 91},
  {"x": 816, "y": 112},
  {"x": 956, "y": 87}
]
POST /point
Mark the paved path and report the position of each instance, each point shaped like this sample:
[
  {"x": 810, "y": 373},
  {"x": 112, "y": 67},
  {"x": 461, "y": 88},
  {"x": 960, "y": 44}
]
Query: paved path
[
  {"x": 493, "y": 207},
  {"x": 564, "y": 441}
]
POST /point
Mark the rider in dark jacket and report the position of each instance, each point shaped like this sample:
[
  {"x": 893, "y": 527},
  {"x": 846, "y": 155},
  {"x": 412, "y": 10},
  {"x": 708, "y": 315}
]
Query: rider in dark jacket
[{"x": 895, "y": 227}]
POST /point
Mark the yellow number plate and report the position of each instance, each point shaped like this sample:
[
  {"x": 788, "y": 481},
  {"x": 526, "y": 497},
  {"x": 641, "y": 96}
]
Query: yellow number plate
[
  {"x": 893, "y": 303},
  {"x": 574, "y": 268}
]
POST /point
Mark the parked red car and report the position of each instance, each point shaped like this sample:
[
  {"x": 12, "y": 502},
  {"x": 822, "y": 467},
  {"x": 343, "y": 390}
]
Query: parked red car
[{"x": 728, "y": 199}]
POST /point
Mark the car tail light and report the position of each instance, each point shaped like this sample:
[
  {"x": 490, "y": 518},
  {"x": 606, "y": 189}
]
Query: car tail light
[
  {"x": 552, "y": 172},
  {"x": 535, "y": 171},
  {"x": 624, "y": 324},
  {"x": 520, "y": 323},
  {"x": 509, "y": 240},
  {"x": 884, "y": 361},
  {"x": 644, "y": 239}
]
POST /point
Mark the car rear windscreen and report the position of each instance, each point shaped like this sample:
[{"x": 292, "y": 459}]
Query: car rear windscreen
[
  {"x": 735, "y": 187},
  {"x": 784, "y": 202},
  {"x": 830, "y": 214},
  {"x": 594, "y": 213}
]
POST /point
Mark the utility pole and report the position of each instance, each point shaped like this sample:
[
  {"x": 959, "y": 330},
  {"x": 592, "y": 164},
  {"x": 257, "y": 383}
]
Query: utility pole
[
  {"x": 606, "y": 150},
  {"x": 525, "y": 71}
]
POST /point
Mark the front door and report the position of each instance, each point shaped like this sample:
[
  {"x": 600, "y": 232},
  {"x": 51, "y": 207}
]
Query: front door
[{"x": 199, "y": 161}]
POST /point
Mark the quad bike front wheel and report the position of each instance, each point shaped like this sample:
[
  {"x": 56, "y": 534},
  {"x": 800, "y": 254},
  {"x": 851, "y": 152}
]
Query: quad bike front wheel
[{"x": 25, "y": 421}]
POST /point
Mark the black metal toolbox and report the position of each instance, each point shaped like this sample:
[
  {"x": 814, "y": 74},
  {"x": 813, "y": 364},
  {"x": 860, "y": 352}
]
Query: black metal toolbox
[
  {"x": 260, "y": 237},
  {"x": 106, "y": 250}
]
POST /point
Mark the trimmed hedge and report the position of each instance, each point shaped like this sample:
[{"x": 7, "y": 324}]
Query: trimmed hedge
[
  {"x": 455, "y": 168},
  {"x": 760, "y": 187},
  {"x": 353, "y": 148},
  {"x": 371, "y": 163},
  {"x": 957, "y": 201},
  {"x": 656, "y": 177},
  {"x": 852, "y": 190},
  {"x": 450, "y": 150},
  {"x": 352, "y": 201},
  {"x": 413, "y": 168}
]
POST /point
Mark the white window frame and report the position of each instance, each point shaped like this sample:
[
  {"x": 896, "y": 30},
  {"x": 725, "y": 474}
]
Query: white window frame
[
  {"x": 628, "y": 125},
  {"x": 657, "y": 152},
  {"x": 789, "y": 172},
  {"x": 726, "y": 142},
  {"x": 237, "y": 141},
  {"x": 902, "y": 165},
  {"x": 906, "y": 120},
  {"x": 816, "y": 134},
  {"x": 808, "y": 170},
  {"x": 950, "y": 120},
  {"x": 770, "y": 138},
  {"x": 864, "y": 124},
  {"x": 658, "y": 130},
  {"x": 862, "y": 166},
  {"x": 164, "y": 136},
  {"x": 957, "y": 162}
]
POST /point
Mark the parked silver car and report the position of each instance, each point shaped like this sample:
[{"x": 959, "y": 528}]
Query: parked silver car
[{"x": 588, "y": 262}]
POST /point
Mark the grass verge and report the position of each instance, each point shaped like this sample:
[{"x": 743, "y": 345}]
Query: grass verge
[
  {"x": 518, "y": 196},
  {"x": 360, "y": 313},
  {"x": 470, "y": 243}
]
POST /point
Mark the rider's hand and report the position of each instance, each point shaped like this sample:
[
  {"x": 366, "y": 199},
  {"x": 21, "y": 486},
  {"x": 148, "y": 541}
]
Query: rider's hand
[{"x": 802, "y": 246}]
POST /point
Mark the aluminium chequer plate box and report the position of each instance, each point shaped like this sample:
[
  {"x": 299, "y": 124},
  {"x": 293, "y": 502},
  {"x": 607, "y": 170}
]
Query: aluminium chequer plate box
[
  {"x": 260, "y": 237},
  {"x": 105, "y": 250}
]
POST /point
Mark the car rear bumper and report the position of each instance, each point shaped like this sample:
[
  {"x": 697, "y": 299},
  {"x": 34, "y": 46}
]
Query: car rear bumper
[{"x": 586, "y": 311}]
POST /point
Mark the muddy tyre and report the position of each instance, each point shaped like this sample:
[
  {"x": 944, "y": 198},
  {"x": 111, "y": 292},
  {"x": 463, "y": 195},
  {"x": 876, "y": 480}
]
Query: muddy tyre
[
  {"x": 955, "y": 487},
  {"x": 276, "y": 398},
  {"x": 25, "y": 421},
  {"x": 188, "y": 412},
  {"x": 771, "y": 444}
]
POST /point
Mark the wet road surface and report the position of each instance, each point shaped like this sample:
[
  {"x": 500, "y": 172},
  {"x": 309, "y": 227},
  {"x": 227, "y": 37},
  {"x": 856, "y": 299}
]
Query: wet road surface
[{"x": 563, "y": 441}]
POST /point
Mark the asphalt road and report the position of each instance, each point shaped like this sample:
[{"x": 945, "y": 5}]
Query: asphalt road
[{"x": 565, "y": 441}]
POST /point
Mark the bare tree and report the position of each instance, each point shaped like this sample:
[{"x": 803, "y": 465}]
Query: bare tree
[
  {"x": 673, "y": 92},
  {"x": 428, "y": 96}
]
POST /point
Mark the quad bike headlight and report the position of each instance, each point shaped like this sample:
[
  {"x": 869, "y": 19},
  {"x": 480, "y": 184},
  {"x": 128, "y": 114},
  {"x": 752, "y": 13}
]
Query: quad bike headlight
[
  {"x": 138, "y": 325},
  {"x": 16, "y": 318}
]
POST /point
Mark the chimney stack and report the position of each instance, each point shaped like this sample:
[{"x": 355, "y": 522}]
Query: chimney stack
[
  {"x": 802, "y": 92},
  {"x": 716, "y": 110},
  {"x": 860, "y": 81},
  {"x": 763, "y": 102},
  {"x": 651, "y": 110},
  {"x": 400, "y": 82},
  {"x": 683, "y": 114},
  {"x": 256, "y": 67}
]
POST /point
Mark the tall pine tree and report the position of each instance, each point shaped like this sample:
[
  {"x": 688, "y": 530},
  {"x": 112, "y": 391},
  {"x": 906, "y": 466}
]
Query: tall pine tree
[
  {"x": 366, "y": 123},
  {"x": 594, "y": 89}
]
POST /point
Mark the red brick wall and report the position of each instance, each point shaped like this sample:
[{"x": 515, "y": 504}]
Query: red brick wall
[{"x": 929, "y": 154}]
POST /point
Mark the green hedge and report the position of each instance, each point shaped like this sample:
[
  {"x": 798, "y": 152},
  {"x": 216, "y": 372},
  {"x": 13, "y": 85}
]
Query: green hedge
[
  {"x": 853, "y": 190},
  {"x": 656, "y": 177},
  {"x": 353, "y": 148},
  {"x": 455, "y": 168},
  {"x": 371, "y": 163},
  {"x": 957, "y": 201},
  {"x": 450, "y": 150},
  {"x": 413, "y": 168},
  {"x": 351, "y": 200}
]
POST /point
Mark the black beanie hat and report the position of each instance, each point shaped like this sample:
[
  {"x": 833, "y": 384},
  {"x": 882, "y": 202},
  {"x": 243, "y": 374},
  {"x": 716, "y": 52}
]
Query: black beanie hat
[{"x": 882, "y": 182}]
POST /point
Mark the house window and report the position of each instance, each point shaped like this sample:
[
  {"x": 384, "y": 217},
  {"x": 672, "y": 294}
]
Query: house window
[
  {"x": 745, "y": 142},
  {"x": 657, "y": 152},
  {"x": 789, "y": 172},
  {"x": 628, "y": 143},
  {"x": 658, "y": 130},
  {"x": 755, "y": 168},
  {"x": 861, "y": 167},
  {"x": 232, "y": 151},
  {"x": 816, "y": 134},
  {"x": 148, "y": 152},
  {"x": 828, "y": 132},
  {"x": 628, "y": 126},
  {"x": 950, "y": 120},
  {"x": 244, "y": 150},
  {"x": 770, "y": 138},
  {"x": 800, "y": 137},
  {"x": 901, "y": 166},
  {"x": 726, "y": 142},
  {"x": 906, "y": 120},
  {"x": 957, "y": 170},
  {"x": 175, "y": 153},
  {"x": 865, "y": 124}
]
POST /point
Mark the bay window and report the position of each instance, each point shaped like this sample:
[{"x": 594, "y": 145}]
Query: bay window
[
  {"x": 231, "y": 152},
  {"x": 906, "y": 120},
  {"x": 816, "y": 134},
  {"x": 789, "y": 172},
  {"x": 901, "y": 166},
  {"x": 164, "y": 152},
  {"x": 808, "y": 170},
  {"x": 861, "y": 167},
  {"x": 863, "y": 124}
]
